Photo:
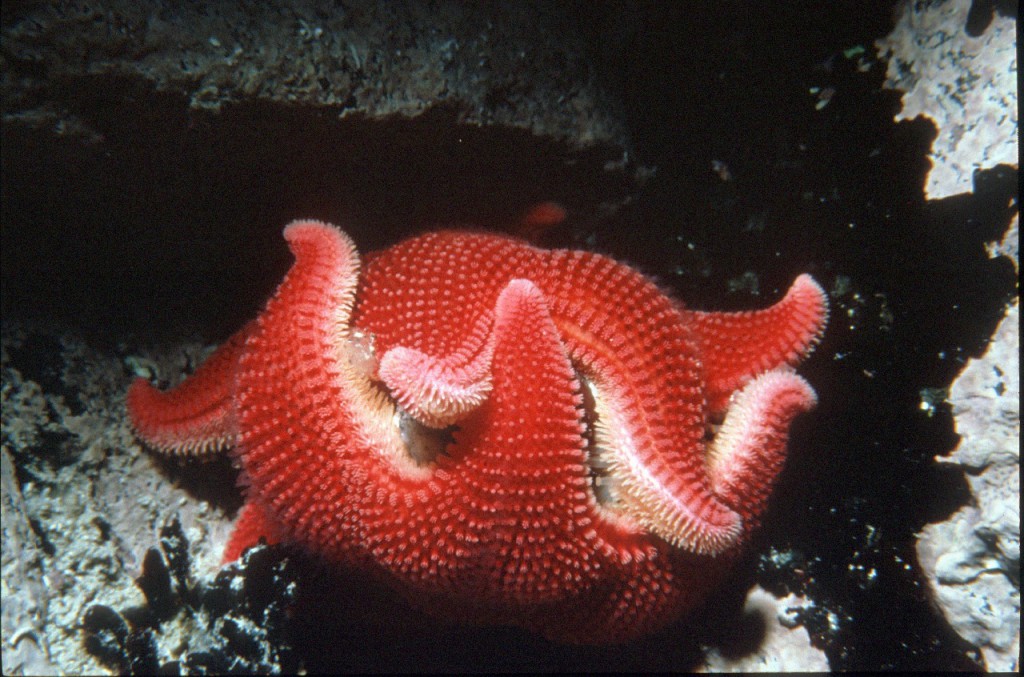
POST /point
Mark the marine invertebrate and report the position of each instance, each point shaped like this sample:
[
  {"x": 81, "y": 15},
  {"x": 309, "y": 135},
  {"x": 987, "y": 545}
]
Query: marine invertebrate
[{"x": 505, "y": 433}]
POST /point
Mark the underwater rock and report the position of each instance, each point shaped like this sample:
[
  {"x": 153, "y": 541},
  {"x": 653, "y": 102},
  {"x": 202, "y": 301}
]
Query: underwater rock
[
  {"x": 106, "y": 636},
  {"x": 25, "y": 595},
  {"x": 956, "y": 63},
  {"x": 516, "y": 65},
  {"x": 785, "y": 646},
  {"x": 972, "y": 560},
  {"x": 965, "y": 83},
  {"x": 237, "y": 623}
]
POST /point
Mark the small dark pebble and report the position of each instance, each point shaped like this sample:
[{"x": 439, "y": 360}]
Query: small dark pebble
[
  {"x": 217, "y": 599},
  {"x": 106, "y": 633},
  {"x": 211, "y": 662},
  {"x": 141, "y": 648},
  {"x": 246, "y": 607},
  {"x": 155, "y": 583},
  {"x": 239, "y": 641},
  {"x": 175, "y": 546}
]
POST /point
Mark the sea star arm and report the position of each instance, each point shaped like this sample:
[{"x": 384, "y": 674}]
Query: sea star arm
[
  {"x": 644, "y": 597},
  {"x": 750, "y": 448},
  {"x": 738, "y": 346},
  {"x": 523, "y": 488},
  {"x": 297, "y": 390},
  {"x": 635, "y": 350},
  {"x": 436, "y": 391},
  {"x": 197, "y": 417},
  {"x": 252, "y": 525}
]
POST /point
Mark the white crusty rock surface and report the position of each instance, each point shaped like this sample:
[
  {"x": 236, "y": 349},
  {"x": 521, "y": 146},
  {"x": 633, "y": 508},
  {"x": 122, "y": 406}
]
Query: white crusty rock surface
[
  {"x": 82, "y": 500},
  {"x": 786, "y": 645},
  {"x": 511, "y": 64},
  {"x": 973, "y": 559},
  {"x": 966, "y": 85}
]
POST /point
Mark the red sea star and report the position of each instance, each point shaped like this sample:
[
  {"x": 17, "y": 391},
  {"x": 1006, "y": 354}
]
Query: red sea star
[{"x": 506, "y": 434}]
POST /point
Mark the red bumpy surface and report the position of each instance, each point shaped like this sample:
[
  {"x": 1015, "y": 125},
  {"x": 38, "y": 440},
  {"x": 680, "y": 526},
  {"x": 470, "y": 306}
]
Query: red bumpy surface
[{"x": 507, "y": 434}]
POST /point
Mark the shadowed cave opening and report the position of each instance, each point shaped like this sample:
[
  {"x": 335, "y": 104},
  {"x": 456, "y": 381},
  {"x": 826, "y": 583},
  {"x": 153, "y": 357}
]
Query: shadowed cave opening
[{"x": 159, "y": 215}]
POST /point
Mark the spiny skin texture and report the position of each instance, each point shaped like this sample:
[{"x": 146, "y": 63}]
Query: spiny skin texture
[
  {"x": 527, "y": 441},
  {"x": 198, "y": 416}
]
